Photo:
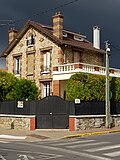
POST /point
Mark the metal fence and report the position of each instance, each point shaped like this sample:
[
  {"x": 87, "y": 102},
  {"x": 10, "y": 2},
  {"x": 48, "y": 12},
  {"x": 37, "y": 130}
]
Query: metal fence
[
  {"x": 46, "y": 106},
  {"x": 96, "y": 108},
  {"x": 18, "y": 107}
]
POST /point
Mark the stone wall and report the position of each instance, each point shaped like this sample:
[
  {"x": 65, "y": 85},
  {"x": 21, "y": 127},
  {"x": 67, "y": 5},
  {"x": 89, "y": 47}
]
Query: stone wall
[
  {"x": 16, "y": 122},
  {"x": 88, "y": 122}
]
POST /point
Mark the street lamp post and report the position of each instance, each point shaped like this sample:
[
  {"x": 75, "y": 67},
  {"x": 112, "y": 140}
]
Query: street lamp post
[{"x": 107, "y": 102}]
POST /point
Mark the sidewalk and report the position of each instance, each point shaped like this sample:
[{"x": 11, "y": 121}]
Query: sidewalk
[{"x": 40, "y": 135}]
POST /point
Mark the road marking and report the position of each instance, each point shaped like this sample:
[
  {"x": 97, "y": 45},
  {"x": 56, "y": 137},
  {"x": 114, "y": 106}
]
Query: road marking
[
  {"x": 88, "y": 144},
  {"x": 112, "y": 154},
  {"x": 81, "y": 154},
  {"x": 29, "y": 154},
  {"x": 4, "y": 142},
  {"x": 2, "y": 158},
  {"x": 103, "y": 148},
  {"x": 12, "y": 137},
  {"x": 68, "y": 143}
]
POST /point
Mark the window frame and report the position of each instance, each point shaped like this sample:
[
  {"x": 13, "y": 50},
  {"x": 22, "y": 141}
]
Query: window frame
[
  {"x": 46, "y": 62},
  {"x": 30, "y": 40},
  {"x": 46, "y": 89},
  {"x": 17, "y": 66}
]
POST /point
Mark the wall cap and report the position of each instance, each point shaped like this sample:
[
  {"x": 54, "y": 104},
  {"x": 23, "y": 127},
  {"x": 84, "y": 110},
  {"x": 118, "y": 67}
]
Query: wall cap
[
  {"x": 92, "y": 116},
  {"x": 20, "y": 116}
]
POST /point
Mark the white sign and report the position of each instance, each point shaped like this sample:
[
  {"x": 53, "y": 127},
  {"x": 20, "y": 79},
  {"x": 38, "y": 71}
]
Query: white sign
[
  {"x": 20, "y": 104},
  {"x": 77, "y": 101}
]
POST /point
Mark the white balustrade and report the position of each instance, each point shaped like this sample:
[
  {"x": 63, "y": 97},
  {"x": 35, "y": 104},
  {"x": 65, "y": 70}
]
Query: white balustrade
[
  {"x": 87, "y": 68},
  {"x": 65, "y": 68}
]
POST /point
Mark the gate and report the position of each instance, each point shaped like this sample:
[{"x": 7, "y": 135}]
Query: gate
[{"x": 53, "y": 113}]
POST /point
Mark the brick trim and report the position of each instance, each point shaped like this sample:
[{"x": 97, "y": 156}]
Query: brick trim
[
  {"x": 32, "y": 123},
  {"x": 71, "y": 124}
]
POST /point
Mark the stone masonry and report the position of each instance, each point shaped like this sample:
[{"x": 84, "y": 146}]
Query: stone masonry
[
  {"x": 88, "y": 122},
  {"x": 15, "y": 122}
]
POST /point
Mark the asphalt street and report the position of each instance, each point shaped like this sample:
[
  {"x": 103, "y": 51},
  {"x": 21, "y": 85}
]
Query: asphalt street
[{"x": 102, "y": 147}]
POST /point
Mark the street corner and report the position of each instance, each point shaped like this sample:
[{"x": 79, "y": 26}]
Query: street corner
[{"x": 91, "y": 134}]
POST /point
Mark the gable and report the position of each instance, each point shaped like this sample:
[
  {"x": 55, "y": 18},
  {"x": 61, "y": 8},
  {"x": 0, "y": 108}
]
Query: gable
[{"x": 48, "y": 33}]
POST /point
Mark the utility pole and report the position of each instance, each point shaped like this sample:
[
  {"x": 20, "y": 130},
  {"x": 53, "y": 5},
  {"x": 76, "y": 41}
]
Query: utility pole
[{"x": 107, "y": 104}]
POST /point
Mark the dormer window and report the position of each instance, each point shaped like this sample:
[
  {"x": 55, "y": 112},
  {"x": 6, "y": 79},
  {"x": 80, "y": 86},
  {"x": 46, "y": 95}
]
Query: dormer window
[
  {"x": 30, "y": 40},
  {"x": 65, "y": 35},
  {"x": 78, "y": 38}
]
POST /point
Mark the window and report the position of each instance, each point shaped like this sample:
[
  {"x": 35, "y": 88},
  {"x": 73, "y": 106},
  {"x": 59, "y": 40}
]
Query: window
[
  {"x": 46, "y": 89},
  {"x": 47, "y": 62},
  {"x": 17, "y": 65},
  {"x": 30, "y": 40}
]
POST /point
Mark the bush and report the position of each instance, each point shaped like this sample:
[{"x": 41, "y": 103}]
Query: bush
[{"x": 86, "y": 87}]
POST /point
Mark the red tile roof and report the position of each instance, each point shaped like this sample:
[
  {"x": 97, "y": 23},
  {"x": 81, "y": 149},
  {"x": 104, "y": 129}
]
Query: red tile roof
[{"x": 47, "y": 31}]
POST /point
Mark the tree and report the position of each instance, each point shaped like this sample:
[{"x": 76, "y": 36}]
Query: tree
[
  {"x": 24, "y": 89},
  {"x": 12, "y": 88},
  {"x": 86, "y": 87},
  {"x": 7, "y": 82}
]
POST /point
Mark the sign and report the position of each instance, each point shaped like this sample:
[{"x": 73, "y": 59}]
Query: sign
[
  {"x": 110, "y": 94},
  {"x": 77, "y": 101},
  {"x": 20, "y": 104}
]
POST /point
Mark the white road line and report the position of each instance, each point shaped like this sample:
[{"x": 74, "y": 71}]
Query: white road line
[
  {"x": 2, "y": 158},
  {"x": 81, "y": 154},
  {"x": 103, "y": 148},
  {"x": 12, "y": 137},
  {"x": 88, "y": 144},
  {"x": 68, "y": 143},
  {"x": 4, "y": 142},
  {"x": 44, "y": 155},
  {"x": 112, "y": 154}
]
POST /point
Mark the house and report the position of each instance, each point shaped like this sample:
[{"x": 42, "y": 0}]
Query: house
[{"x": 50, "y": 55}]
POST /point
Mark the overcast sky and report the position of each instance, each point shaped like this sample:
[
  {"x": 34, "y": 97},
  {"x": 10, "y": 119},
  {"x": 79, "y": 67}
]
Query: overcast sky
[{"x": 80, "y": 16}]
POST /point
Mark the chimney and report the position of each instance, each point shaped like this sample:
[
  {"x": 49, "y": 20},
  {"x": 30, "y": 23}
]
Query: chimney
[
  {"x": 12, "y": 33},
  {"x": 58, "y": 25},
  {"x": 96, "y": 37}
]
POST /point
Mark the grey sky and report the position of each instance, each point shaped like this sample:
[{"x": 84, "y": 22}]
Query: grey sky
[{"x": 80, "y": 16}]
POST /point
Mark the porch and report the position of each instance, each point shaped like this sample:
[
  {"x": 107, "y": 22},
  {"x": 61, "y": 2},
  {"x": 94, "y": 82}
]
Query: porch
[{"x": 65, "y": 71}]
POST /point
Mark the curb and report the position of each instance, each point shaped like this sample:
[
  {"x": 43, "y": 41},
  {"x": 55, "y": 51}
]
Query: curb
[{"x": 90, "y": 134}]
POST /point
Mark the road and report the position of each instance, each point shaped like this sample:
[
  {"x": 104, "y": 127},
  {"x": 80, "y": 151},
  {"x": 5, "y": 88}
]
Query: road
[{"x": 102, "y": 147}]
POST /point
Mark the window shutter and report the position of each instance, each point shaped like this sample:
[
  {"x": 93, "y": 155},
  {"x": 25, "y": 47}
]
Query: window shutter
[
  {"x": 18, "y": 65},
  {"x": 45, "y": 63},
  {"x": 48, "y": 61},
  {"x": 14, "y": 65},
  {"x": 48, "y": 89}
]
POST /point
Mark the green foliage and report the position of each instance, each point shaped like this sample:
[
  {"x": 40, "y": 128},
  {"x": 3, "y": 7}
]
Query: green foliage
[
  {"x": 24, "y": 89},
  {"x": 115, "y": 89},
  {"x": 7, "y": 82},
  {"x": 12, "y": 88},
  {"x": 86, "y": 87}
]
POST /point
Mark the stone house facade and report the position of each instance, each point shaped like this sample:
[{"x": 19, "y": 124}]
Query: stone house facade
[{"x": 39, "y": 52}]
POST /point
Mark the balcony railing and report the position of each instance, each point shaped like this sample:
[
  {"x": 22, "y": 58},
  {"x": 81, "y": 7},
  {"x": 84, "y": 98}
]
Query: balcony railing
[{"x": 85, "y": 68}]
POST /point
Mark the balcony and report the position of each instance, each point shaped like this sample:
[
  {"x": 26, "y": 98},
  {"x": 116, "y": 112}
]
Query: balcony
[{"x": 64, "y": 72}]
